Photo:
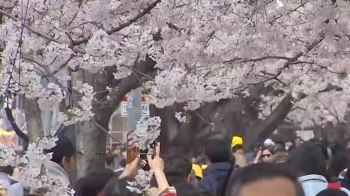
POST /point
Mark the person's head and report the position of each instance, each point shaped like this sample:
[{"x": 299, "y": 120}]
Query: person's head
[
  {"x": 298, "y": 141},
  {"x": 122, "y": 162},
  {"x": 4, "y": 186},
  {"x": 338, "y": 164},
  {"x": 263, "y": 179},
  {"x": 269, "y": 142},
  {"x": 338, "y": 149},
  {"x": 238, "y": 148},
  {"x": 332, "y": 192},
  {"x": 267, "y": 153},
  {"x": 308, "y": 159},
  {"x": 93, "y": 183},
  {"x": 322, "y": 144},
  {"x": 280, "y": 154},
  {"x": 280, "y": 144},
  {"x": 109, "y": 159},
  {"x": 177, "y": 168},
  {"x": 217, "y": 150},
  {"x": 64, "y": 154},
  {"x": 187, "y": 189},
  {"x": 236, "y": 140},
  {"x": 116, "y": 187}
]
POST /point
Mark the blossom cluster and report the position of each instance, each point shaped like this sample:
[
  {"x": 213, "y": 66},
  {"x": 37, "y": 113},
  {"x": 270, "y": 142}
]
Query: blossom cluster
[
  {"x": 141, "y": 183},
  {"x": 181, "y": 117},
  {"x": 146, "y": 132},
  {"x": 35, "y": 175},
  {"x": 83, "y": 111},
  {"x": 204, "y": 51},
  {"x": 217, "y": 49}
]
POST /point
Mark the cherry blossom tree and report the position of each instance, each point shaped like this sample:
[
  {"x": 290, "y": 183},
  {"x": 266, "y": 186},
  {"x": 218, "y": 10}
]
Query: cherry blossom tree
[{"x": 188, "y": 52}]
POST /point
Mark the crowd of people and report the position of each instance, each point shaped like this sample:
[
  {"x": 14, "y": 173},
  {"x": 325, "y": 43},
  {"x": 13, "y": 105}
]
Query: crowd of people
[{"x": 274, "y": 168}]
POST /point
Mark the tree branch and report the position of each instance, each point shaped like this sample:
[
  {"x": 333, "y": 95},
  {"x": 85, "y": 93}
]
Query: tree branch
[
  {"x": 122, "y": 26},
  {"x": 61, "y": 67},
  {"x": 266, "y": 127},
  {"x": 131, "y": 82},
  {"x": 14, "y": 125}
]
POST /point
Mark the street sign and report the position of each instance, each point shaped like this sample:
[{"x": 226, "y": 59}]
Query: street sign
[{"x": 124, "y": 109}]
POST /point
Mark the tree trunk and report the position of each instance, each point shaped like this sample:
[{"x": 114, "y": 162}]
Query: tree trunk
[
  {"x": 91, "y": 136},
  {"x": 33, "y": 119},
  {"x": 92, "y": 143},
  {"x": 264, "y": 129},
  {"x": 90, "y": 140}
]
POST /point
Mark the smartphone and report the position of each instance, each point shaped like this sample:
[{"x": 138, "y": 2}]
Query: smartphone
[
  {"x": 144, "y": 153},
  {"x": 132, "y": 152}
]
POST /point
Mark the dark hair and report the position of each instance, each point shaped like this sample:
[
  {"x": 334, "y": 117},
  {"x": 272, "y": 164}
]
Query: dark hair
[
  {"x": 259, "y": 171},
  {"x": 338, "y": 164},
  {"x": 109, "y": 159},
  {"x": 116, "y": 187},
  {"x": 93, "y": 183},
  {"x": 237, "y": 147},
  {"x": 308, "y": 159},
  {"x": 7, "y": 169},
  {"x": 271, "y": 149},
  {"x": 338, "y": 149},
  {"x": 63, "y": 148},
  {"x": 217, "y": 150},
  {"x": 186, "y": 189},
  {"x": 291, "y": 148},
  {"x": 122, "y": 162},
  {"x": 177, "y": 168},
  {"x": 281, "y": 143},
  {"x": 332, "y": 192}
]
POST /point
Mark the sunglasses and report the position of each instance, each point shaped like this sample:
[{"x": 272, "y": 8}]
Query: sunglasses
[{"x": 265, "y": 156}]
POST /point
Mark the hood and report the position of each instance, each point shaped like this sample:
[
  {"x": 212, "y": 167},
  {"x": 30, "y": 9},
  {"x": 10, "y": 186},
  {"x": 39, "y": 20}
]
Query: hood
[
  {"x": 313, "y": 184},
  {"x": 214, "y": 177},
  {"x": 16, "y": 190},
  {"x": 56, "y": 170},
  {"x": 6, "y": 183},
  {"x": 200, "y": 159},
  {"x": 217, "y": 169}
]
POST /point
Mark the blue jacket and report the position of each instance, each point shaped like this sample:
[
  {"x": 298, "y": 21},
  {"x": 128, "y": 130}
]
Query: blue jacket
[
  {"x": 214, "y": 177},
  {"x": 313, "y": 184}
]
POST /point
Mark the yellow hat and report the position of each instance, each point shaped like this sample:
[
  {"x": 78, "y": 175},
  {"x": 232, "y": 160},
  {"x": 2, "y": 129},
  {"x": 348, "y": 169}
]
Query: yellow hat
[
  {"x": 197, "y": 170},
  {"x": 236, "y": 140}
]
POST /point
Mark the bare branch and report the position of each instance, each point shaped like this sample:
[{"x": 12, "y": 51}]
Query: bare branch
[
  {"x": 61, "y": 67},
  {"x": 48, "y": 73},
  {"x": 259, "y": 59},
  {"x": 289, "y": 60},
  {"x": 14, "y": 125},
  {"x": 107, "y": 132},
  {"x": 122, "y": 26}
]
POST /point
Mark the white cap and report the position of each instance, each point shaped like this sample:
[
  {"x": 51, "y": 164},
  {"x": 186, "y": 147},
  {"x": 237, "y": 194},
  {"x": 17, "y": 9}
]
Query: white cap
[{"x": 269, "y": 142}]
